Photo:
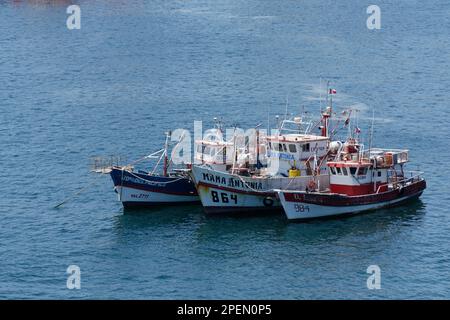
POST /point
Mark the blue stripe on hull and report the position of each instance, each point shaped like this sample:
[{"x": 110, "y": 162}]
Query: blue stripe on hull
[{"x": 169, "y": 185}]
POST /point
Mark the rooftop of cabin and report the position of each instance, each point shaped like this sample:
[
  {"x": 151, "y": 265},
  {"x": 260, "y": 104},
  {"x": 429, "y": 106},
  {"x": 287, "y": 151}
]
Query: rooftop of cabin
[
  {"x": 349, "y": 163},
  {"x": 213, "y": 143},
  {"x": 296, "y": 138}
]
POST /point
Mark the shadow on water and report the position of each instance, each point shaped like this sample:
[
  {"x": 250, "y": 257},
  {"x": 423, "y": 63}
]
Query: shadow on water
[
  {"x": 158, "y": 217},
  {"x": 267, "y": 227},
  {"x": 278, "y": 228}
]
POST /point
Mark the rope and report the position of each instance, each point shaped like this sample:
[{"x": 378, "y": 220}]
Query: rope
[
  {"x": 143, "y": 179},
  {"x": 146, "y": 157},
  {"x": 75, "y": 194}
]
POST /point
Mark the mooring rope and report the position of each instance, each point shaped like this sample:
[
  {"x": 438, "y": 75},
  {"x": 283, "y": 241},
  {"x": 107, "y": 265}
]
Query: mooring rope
[
  {"x": 161, "y": 182},
  {"x": 75, "y": 194}
]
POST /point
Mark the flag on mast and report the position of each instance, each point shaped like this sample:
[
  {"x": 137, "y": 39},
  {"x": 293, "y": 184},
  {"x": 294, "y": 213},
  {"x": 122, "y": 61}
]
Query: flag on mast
[{"x": 332, "y": 91}]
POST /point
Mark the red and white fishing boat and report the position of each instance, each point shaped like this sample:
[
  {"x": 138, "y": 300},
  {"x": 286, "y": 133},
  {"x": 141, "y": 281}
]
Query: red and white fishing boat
[{"x": 359, "y": 181}]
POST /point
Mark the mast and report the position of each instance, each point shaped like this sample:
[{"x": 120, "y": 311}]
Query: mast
[
  {"x": 327, "y": 113},
  {"x": 320, "y": 94},
  {"x": 370, "y": 149},
  {"x": 257, "y": 148},
  {"x": 166, "y": 158}
]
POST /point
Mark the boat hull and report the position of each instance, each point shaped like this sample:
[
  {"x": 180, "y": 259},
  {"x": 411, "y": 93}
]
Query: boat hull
[
  {"x": 303, "y": 206},
  {"x": 139, "y": 189},
  {"x": 225, "y": 193},
  {"x": 217, "y": 200}
]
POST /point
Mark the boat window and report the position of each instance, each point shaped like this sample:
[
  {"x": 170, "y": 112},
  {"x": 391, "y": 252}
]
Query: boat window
[
  {"x": 379, "y": 173},
  {"x": 280, "y": 147},
  {"x": 352, "y": 170},
  {"x": 362, "y": 171},
  {"x": 200, "y": 148},
  {"x": 344, "y": 171},
  {"x": 207, "y": 150},
  {"x": 305, "y": 147},
  {"x": 270, "y": 145},
  {"x": 338, "y": 170},
  {"x": 333, "y": 171},
  {"x": 276, "y": 147},
  {"x": 292, "y": 148},
  {"x": 220, "y": 152}
]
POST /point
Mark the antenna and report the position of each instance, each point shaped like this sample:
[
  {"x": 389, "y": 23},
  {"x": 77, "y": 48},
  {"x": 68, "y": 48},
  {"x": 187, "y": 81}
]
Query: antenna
[
  {"x": 320, "y": 94},
  {"x": 371, "y": 131},
  {"x": 287, "y": 103},
  {"x": 328, "y": 85}
]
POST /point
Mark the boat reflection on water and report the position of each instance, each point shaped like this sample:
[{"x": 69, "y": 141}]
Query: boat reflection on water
[
  {"x": 277, "y": 228},
  {"x": 270, "y": 227}
]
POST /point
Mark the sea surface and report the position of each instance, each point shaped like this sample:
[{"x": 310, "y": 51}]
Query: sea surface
[{"x": 136, "y": 69}]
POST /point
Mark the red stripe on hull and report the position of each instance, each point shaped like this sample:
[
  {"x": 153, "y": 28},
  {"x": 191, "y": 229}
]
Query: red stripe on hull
[
  {"x": 343, "y": 200},
  {"x": 357, "y": 190},
  {"x": 146, "y": 188},
  {"x": 149, "y": 204}
]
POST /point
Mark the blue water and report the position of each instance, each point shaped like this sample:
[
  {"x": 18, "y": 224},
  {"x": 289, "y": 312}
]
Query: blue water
[{"x": 139, "y": 68}]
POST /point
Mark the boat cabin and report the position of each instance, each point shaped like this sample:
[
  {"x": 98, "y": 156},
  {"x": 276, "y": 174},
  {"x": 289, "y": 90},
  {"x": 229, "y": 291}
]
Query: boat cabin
[
  {"x": 213, "y": 153},
  {"x": 302, "y": 152},
  {"x": 365, "y": 173}
]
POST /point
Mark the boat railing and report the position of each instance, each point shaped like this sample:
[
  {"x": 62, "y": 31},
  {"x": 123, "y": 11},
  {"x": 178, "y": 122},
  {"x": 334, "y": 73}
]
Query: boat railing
[
  {"x": 300, "y": 126},
  {"x": 400, "y": 181}
]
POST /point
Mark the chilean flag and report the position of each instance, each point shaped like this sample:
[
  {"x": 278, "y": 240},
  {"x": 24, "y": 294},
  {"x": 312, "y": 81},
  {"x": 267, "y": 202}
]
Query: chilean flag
[{"x": 332, "y": 91}]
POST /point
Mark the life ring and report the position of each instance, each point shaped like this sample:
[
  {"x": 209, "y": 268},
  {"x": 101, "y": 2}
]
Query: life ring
[{"x": 268, "y": 201}]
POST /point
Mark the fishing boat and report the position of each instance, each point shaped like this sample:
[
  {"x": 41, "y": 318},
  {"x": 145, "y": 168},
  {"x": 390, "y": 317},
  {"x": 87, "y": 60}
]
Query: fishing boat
[
  {"x": 150, "y": 188},
  {"x": 293, "y": 155},
  {"x": 171, "y": 186},
  {"x": 359, "y": 181}
]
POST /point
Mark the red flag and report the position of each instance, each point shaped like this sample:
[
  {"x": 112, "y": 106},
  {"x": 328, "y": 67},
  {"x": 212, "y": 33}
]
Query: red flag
[{"x": 332, "y": 91}]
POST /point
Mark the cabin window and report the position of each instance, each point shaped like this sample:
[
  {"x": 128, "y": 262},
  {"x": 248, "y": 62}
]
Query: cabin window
[
  {"x": 292, "y": 148},
  {"x": 305, "y": 147},
  {"x": 220, "y": 152},
  {"x": 352, "y": 170},
  {"x": 332, "y": 170},
  {"x": 207, "y": 150},
  {"x": 344, "y": 171},
  {"x": 276, "y": 147},
  {"x": 284, "y": 148},
  {"x": 362, "y": 171},
  {"x": 338, "y": 170},
  {"x": 379, "y": 173},
  {"x": 270, "y": 145},
  {"x": 200, "y": 149}
]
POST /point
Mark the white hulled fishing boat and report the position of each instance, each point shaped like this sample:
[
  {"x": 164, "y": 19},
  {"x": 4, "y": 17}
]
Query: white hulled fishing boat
[
  {"x": 359, "y": 181},
  {"x": 293, "y": 158}
]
